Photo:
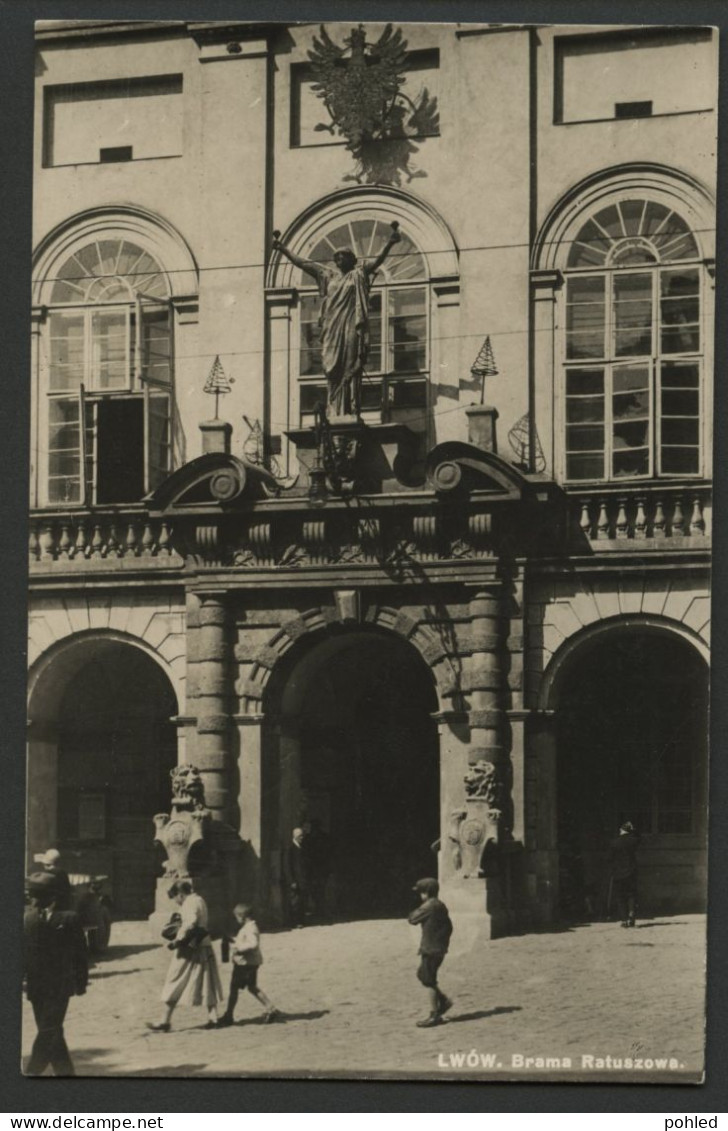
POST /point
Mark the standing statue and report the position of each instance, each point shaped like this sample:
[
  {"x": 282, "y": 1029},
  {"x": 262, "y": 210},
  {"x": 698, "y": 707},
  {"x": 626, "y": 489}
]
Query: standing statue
[{"x": 344, "y": 319}]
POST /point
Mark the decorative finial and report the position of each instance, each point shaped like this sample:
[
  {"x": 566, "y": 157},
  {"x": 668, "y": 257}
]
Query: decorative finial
[
  {"x": 484, "y": 365},
  {"x": 218, "y": 382}
]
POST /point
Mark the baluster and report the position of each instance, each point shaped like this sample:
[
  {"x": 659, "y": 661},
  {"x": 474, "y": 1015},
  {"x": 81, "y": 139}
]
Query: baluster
[
  {"x": 132, "y": 547},
  {"x": 640, "y": 520},
  {"x": 678, "y": 518},
  {"x": 47, "y": 544},
  {"x": 33, "y": 543},
  {"x": 163, "y": 546},
  {"x": 112, "y": 543},
  {"x": 147, "y": 540},
  {"x": 80, "y": 546},
  {"x": 658, "y": 523},
  {"x": 621, "y": 525},
  {"x": 97, "y": 542},
  {"x": 585, "y": 519},
  {"x": 64, "y": 542},
  {"x": 603, "y": 520},
  {"x": 697, "y": 521}
]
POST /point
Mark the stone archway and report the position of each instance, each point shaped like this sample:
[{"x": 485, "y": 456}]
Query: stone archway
[
  {"x": 101, "y": 746},
  {"x": 630, "y": 706},
  {"x": 350, "y": 743}
]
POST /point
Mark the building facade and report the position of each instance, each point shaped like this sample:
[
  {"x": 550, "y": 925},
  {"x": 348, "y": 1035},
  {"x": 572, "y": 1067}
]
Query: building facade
[{"x": 467, "y": 632}]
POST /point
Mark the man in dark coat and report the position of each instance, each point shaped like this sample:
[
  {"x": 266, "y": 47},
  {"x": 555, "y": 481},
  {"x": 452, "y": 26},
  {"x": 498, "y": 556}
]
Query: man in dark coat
[
  {"x": 298, "y": 875},
  {"x": 51, "y": 863},
  {"x": 624, "y": 871},
  {"x": 56, "y": 968}
]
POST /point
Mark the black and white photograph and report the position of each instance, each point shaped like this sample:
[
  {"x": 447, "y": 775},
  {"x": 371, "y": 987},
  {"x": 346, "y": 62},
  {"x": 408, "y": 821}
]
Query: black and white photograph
[{"x": 370, "y": 387}]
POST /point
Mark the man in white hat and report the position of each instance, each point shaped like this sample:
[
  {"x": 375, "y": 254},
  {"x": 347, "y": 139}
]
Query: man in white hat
[{"x": 51, "y": 862}]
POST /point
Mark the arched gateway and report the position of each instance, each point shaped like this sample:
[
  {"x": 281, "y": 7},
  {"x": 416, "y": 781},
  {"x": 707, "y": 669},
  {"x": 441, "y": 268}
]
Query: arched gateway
[
  {"x": 350, "y": 743},
  {"x": 101, "y": 746},
  {"x": 630, "y": 702}
]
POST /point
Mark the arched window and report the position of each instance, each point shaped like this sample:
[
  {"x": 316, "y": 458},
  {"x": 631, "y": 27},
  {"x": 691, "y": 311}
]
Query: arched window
[
  {"x": 108, "y": 381},
  {"x": 395, "y": 384},
  {"x": 633, "y": 348}
]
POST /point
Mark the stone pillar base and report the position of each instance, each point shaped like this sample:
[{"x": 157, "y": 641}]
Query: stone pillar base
[{"x": 499, "y": 898}]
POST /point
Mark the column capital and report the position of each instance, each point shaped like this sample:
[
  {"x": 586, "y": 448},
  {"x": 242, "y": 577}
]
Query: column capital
[{"x": 545, "y": 283}]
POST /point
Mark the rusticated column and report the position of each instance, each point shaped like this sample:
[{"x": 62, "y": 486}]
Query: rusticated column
[
  {"x": 211, "y": 701},
  {"x": 488, "y": 748}
]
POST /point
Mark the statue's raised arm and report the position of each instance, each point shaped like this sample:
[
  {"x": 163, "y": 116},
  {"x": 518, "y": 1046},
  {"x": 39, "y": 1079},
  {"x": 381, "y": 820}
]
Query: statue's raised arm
[
  {"x": 306, "y": 265},
  {"x": 372, "y": 267}
]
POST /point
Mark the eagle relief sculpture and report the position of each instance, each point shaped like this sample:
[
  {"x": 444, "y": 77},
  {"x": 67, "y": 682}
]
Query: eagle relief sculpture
[{"x": 361, "y": 86}]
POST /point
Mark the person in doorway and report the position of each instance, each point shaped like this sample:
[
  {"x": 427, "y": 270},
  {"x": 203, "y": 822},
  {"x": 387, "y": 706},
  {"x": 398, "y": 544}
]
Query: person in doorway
[
  {"x": 247, "y": 960},
  {"x": 56, "y": 969},
  {"x": 624, "y": 872},
  {"x": 50, "y": 861},
  {"x": 434, "y": 919},
  {"x": 192, "y": 978},
  {"x": 298, "y": 872}
]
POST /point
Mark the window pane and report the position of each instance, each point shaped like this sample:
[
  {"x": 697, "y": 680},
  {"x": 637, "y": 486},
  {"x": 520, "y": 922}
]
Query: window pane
[
  {"x": 407, "y": 301},
  {"x": 585, "y": 319},
  {"x": 64, "y": 452},
  {"x": 311, "y": 395},
  {"x": 408, "y": 394},
  {"x": 109, "y": 349},
  {"x": 681, "y": 339},
  {"x": 583, "y": 409},
  {"x": 680, "y": 461},
  {"x": 584, "y": 381},
  {"x": 676, "y": 430},
  {"x": 373, "y": 363},
  {"x": 158, "y": 426},
  {"x": 371, "y": 395},
  {"x": 67, "y": 351},
  {"x": 629, "y": 462},
  {"x": 310, "y": 344},
  {"x": 584, "y": 439},
  {"x": 679, "y": 375},
  {"x": 628, "y": 378},
  {"x": 633, "y": 314},
  {"x": 631, "y": 435},
  {"x": 679, "y": 403},
  {"x": 631, "y": 405},
  {"x": 585, "y": 467},
  {"x": 156, "y": 343}
]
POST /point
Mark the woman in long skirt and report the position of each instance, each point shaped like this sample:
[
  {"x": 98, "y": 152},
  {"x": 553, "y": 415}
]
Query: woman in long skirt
[{"x": 192, "y": 978}]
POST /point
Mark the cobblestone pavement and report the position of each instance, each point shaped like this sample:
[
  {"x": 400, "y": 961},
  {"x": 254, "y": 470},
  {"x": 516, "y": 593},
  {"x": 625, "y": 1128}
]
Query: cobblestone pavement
[{"x": 350, "y": 1000}]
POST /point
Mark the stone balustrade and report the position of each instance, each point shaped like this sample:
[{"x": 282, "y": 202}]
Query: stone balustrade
[
  {"x": 93, "y": 536},
  {"x": 641, "y": 513}
]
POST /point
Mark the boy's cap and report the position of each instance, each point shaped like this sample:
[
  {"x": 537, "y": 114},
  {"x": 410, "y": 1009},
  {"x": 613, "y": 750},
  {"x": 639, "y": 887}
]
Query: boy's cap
[{"x": 428, "y": 886}]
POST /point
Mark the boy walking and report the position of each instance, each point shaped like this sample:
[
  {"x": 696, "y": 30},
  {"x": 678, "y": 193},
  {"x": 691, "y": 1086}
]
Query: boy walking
[
  {"x": 247, "y": 958},
  {"x": 433, "y": 917}
]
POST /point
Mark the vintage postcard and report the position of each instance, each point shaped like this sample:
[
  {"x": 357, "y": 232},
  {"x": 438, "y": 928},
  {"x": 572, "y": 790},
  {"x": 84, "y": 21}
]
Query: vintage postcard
[{"x": 369, "y": 602}]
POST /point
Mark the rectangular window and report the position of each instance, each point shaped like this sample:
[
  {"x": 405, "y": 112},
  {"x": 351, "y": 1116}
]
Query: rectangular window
[
  {"x": 585, "y": 317},
  {"x": 632, "y": 315},
  {"x": 620, "y": 74},
  {"x": 118, "y": 120}
]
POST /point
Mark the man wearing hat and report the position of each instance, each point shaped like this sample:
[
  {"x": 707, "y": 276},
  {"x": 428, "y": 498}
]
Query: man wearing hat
[
  {"x": 51, "y": 863},
  {"x": 624, "y": 871},
  {"x": 433, "y": 917},
  {"x": 56, "y": 968}
]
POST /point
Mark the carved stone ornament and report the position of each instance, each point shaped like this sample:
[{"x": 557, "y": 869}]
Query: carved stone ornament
[
  {"x": 185, "y": 825},
  {"x": 484, "y": 783}
]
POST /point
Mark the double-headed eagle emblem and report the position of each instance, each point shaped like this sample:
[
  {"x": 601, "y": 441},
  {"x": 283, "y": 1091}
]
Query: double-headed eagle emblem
[{"x": 360, "y": 92}]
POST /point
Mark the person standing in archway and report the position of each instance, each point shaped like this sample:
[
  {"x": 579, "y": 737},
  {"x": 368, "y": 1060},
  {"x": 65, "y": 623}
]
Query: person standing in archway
[
  {"x": 624, "y": 872},
  {"x": 298, "y": 875},
  {"x": 344, "y": 320}
]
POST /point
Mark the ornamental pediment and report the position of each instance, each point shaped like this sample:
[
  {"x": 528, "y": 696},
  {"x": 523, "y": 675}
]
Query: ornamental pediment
[{"x": 216, "y": 480}]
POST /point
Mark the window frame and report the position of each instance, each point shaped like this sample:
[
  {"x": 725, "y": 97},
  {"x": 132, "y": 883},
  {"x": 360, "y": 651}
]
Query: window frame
[{"x": 654, "y": 361}]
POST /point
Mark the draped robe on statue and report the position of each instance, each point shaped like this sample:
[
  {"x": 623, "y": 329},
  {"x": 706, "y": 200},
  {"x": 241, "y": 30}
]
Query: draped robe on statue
[{"x": 344, "y": 323}]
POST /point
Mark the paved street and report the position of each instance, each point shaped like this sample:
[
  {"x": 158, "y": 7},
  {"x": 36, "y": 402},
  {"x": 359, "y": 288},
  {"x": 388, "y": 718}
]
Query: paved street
[{"x": 350, "y": 1001}]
